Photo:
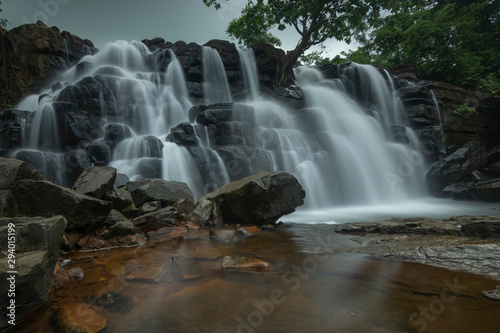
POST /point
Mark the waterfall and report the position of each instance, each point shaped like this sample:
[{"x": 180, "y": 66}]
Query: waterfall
[
  {"x": 341, "y": 146},
  {"x": 216, "y": 87}
]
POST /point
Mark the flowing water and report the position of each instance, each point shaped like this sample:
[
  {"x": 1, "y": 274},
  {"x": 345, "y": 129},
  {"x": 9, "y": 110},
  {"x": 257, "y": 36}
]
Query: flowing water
[{"x": 349, "y": 147}]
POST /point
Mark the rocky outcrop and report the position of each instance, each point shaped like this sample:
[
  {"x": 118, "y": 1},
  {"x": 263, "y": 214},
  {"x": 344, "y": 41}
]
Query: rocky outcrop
[
  {"x": 42, "y": 198},
  {"x": 255, "y": 200},
  {"x": 13, "y": 170},
  {"x": 38, "y": 241},
  {"x": 33, "y": 54}
]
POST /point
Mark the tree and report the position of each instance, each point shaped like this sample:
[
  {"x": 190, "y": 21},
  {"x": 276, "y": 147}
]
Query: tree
[
  {"x": 314, "y": 20},
  {"x": 3, "y": 22},
  {"x": 455, "y": 41}
]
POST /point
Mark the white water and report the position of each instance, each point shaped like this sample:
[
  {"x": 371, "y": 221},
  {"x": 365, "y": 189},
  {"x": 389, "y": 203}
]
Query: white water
[{"x": 342, "y": 152}]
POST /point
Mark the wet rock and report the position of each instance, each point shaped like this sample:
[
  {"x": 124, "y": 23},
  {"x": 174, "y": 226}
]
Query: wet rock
[
  {"x": 80, "y": 317},
  {"x": 13, "y": 170},
  {"x": 61, "y": 278},
  {"x": 223, "y": 234},
  {"x": 121, "y": 180},
  {"x": 183, "y": 135},
  {"x": 120, "y": 198},
  {"x": 152, "y": 273},
  {"x": 457, "y": 165},
  {"x": 76, "y": 273},
  {"x": 120, "y": 225},
  {"x": 150, "y": 189},
  {"x": 255, "y": 200},
  {"x": 245, "y": 264},
  {"x": 249, "y": 230},
  {"x": 38, "y": 242},
  {"x": 492, "y": 294},
  {"x": 188, "y": 268},
  {"x": 488, "y": 190},
  {"x": 96, "y": 181},
  {"x": 42, "y": 198}
]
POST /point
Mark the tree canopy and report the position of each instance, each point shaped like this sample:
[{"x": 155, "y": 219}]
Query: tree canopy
[
  {"x": 314, "y": 20},
  {"x": 455, "y": 41}
]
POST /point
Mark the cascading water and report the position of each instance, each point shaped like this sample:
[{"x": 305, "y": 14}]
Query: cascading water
[{"x": 343, "y": 152}]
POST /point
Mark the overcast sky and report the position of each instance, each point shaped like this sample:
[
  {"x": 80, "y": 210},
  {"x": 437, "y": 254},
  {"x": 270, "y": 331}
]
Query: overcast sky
[{"x": 104, "y": 21}]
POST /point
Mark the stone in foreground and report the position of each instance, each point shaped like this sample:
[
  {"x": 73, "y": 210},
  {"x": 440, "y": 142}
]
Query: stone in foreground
[
  {"x": 96, "y": 181},
  {"x": 80, "y": 317},
  {"x": 152, "y": 189},
  {"x": 255, "y": 200},
  {"x": 245, "y": 264},
  {"x": 42, "y": 198},
  {"x": 38, "y": 241}
]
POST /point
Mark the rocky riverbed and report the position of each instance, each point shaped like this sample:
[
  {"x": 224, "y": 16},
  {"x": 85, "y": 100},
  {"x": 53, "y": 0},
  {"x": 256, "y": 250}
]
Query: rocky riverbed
[{"x": 383, "y": 276}]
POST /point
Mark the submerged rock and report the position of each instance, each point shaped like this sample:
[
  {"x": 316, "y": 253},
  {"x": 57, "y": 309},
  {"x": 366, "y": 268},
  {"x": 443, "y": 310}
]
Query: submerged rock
[
  {"x": 255, "y": 200},
  {"x": 80, "y": 317},
  {"x": 246, "y": 264}
]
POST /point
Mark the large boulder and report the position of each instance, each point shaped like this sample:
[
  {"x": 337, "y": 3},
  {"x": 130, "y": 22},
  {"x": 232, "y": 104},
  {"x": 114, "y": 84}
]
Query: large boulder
[
  {"x": 42, "y": 198},
  {"x": 96, "y": 181},
  {"x": 38, "y": 241},
  {"x": 256, "y": 200},
  {"x": 456, "y": 166},
  {"x": 12, "y": 170},
  {"x": 155, "y": 189}
]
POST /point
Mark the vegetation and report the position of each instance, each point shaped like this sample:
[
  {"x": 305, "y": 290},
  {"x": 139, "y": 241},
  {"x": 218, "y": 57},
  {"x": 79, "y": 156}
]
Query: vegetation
[
  {"x": 314, "y": 20},
  {"x": 3, "y": 22},
  {"x": 454, "y": 41}
]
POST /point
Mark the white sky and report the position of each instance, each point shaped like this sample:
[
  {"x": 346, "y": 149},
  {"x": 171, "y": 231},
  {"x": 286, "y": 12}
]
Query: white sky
[{"x": 104, "y": 21}]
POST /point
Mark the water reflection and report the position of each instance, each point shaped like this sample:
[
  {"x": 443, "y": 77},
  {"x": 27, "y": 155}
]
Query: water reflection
[{"x": 312, "y": 287}]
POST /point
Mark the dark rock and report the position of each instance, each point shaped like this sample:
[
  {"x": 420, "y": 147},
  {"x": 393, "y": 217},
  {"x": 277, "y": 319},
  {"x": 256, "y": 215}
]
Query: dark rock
[
  {"x": 45, "y": 163},
  {"x": 96, "y": 181},
  {"x": 183, "y": 135},
  {"x": 165, "y": 217},
  {"x": 99, "y": 153},
  {"x": 214, "y": 116},
  {"x": 115, "y": 133},
  {"x": 76, "y": 161},
  {"x": 255, "y": 200},
  {"x": 13, "y": 170},
  {"x": 38, "y": 241},
  {"x": 8, "y": 206},
  {"x": 121, "y": 180},
  {"x": 121, "y": 226},
  {"x": 487, "y": 190},
  {"x": 457, "y": 165},
  {"x": 42, "y": 198},
  {"x": 120, "y": 198},
  {"x": 149, "y": 189}
]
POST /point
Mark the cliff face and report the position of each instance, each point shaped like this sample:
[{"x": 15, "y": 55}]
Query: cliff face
[{"x": 31, "y": 54}]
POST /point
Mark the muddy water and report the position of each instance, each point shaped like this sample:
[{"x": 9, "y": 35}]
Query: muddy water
[{"x": 312, "y": 287}]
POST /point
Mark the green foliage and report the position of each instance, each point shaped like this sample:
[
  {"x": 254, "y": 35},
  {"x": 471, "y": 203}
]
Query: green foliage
[
  {"x": 3, "y": 22},
  {"x": 253, "y": 26},
  {"x": 455, "y": 41},
  {"x": 465, "y": 108}
]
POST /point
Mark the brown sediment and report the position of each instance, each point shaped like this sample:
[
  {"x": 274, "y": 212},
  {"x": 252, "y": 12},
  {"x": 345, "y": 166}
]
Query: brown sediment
[{"x": 319, "y": 280}]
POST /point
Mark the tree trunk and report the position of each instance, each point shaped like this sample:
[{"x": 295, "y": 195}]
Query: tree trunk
[{"x": 284, "y": 75}]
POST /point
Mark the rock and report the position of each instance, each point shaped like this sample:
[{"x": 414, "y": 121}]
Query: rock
[
  {"x": 38, "y": 242},
  {"x": 150, "y": 189},
  {"x": 152, "y": 273},
  {"x": 488, "y": 190},
  {"x": 122, "y": 228},
  {"x": 189, "y": 268},
  {"x": 120, "y": 198},
  {"x": 183, "y": 135},
  {"x": 255, "y": 200},
  {"x": 121, "y": 180},
  {"x": 165, "y": 217},
  {"x": 249, "y": 230},
  {"x": 42, "y": 198},
  {"x": 245, "y": 264},
  {"x": 8, "y": 206},
  {"x": 76, "y": 273},
  {"x": 457, "y": 165},
  {"x": 81, "y": 318},
  {"x": 149, "y": 207},
  {"x": 223, "y": 234},
  {"x": 96, "y": 181},
  {"x": 12, "y": 171}
]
